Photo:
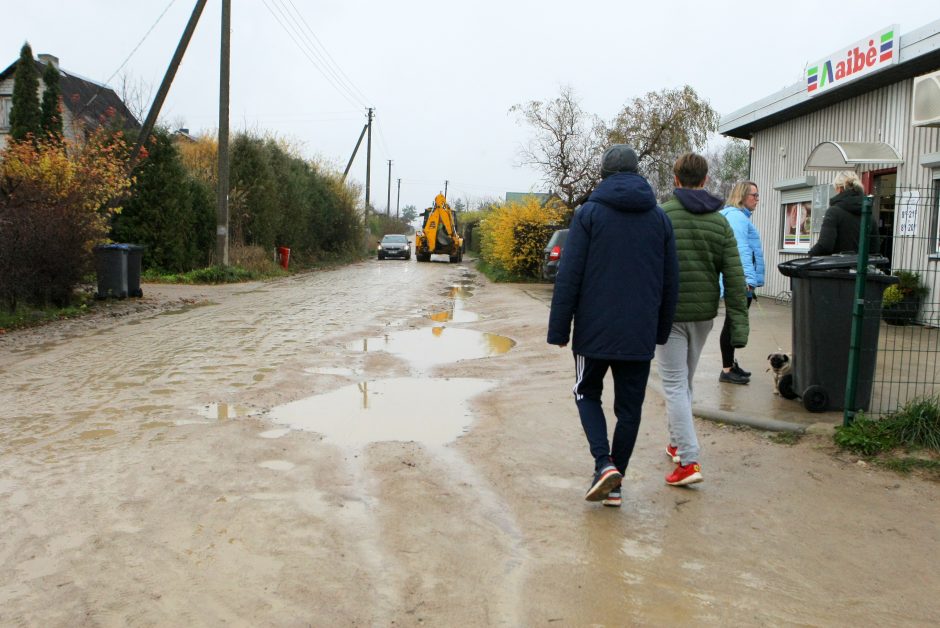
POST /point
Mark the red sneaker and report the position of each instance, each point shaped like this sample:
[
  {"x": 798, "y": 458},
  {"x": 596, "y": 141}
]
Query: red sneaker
[
  {"x": 673, "y": 452},
  {"x": 685, "y": 474}
]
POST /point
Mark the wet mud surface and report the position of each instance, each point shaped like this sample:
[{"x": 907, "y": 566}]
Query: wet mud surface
[{"x": 395, "y": 444}]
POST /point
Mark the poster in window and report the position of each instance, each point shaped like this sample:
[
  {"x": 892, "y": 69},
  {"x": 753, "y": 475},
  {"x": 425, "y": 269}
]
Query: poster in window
[
  {"x": 906, "y": 221},
  {"x": 797, "y": 221}
]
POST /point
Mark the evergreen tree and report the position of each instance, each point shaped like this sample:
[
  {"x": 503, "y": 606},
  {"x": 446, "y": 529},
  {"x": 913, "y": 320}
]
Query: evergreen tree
[
  {"x": 25, "y": 115},
  {"x": 51, "y": 114},
  {"x": 163, "y": 214}
]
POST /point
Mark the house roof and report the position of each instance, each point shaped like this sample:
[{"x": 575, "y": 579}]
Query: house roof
[
  {"x": 518, "y": 197},
  {"x": 919, "y": 53},
  {"x": 91, "y": 102}
]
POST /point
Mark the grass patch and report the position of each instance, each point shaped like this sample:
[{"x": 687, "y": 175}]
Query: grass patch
[
  {"x": 786, "y": 438},
  {"x": 498, "y": 274},
  {"x": 29, "y": 316},
  {"x": 907, "y": 464},
  {"x": 211, "y": 275},
  {"x": 887, "y": 441}
]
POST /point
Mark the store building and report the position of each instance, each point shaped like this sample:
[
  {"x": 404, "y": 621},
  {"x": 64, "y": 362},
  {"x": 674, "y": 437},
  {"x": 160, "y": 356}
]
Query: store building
[{"x": 872, "y": 106}]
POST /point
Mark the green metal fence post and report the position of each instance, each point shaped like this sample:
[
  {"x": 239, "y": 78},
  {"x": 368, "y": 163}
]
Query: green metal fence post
[{"x": 858, "y": 314}]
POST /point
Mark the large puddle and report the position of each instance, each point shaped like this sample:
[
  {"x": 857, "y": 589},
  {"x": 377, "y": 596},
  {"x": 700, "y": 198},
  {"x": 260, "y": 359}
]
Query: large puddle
[
  {"x": 433, "y": 412},
  {"x": 436, "y": 345},
  {"x": 456, "y": 311}
]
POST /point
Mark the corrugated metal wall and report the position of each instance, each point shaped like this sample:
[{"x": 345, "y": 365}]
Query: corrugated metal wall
[{"x": 880, "y": 116}]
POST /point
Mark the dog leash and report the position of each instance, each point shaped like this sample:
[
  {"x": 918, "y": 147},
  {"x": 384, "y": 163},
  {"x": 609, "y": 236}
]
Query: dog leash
[{"x": 773, "y": 336}]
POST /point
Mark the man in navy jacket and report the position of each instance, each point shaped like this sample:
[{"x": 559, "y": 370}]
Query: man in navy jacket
[{"x": 618, "y": 280}]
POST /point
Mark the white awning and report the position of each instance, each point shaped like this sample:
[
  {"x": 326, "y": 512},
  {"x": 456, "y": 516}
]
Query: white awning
[{"x": 847, "y": 155}]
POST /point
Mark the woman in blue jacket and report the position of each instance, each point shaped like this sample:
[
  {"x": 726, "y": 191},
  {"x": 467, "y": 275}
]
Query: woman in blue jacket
[{"x": 741, "y": 204}]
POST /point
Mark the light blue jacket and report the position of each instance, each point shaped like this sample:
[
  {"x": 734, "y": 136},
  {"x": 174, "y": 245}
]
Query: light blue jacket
[{"x": 749, "y": 246}]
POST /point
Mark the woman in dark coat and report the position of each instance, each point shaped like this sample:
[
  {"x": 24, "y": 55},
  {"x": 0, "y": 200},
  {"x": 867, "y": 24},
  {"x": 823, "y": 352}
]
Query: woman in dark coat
[{"x": 841, "y": 225}]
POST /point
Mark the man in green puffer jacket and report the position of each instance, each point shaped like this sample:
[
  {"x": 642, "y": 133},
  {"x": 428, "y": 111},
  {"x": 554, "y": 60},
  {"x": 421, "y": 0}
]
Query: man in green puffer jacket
[{"x": 707, "y": 248}]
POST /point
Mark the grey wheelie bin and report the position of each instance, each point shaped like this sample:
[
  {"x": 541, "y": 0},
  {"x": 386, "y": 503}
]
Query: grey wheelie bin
[
  {"x": 111, "y": 270},
  {"x": 134, "y": 256},
  {"x": 823, "y": 291}
]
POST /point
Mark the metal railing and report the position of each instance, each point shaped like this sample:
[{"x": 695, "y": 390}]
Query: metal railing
[{"x": 907, "y": 362}]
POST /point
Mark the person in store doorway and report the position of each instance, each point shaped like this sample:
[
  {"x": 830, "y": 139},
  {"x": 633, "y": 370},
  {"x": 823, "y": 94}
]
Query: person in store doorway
[
  {"x": 618, "y": 281},
  {"x": 707, "y": 248},
  {"x": 741, "y": 204},
  {"x": 843, "y": 220}
]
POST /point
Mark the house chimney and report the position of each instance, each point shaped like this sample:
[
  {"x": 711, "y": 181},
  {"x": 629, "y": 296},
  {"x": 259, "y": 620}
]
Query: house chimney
[{"x": 50, "y": 60}]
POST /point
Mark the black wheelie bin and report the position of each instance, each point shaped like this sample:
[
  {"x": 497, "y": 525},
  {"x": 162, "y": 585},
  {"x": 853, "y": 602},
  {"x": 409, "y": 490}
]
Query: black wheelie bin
[
  {"x": 823, "y": 290},
  {"x": 111, "y": 270},
  {"x": 135, "y": 254}
]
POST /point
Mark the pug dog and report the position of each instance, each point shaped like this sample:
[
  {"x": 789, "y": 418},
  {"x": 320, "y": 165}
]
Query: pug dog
[{"x": 780, "y": 365}]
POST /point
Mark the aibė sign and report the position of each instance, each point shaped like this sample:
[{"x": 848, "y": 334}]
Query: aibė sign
[{"x": 865, "y": 56}]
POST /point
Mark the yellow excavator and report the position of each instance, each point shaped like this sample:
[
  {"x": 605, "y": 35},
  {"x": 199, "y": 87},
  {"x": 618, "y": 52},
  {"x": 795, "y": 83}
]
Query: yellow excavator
[{"x": 438, "y": 234}]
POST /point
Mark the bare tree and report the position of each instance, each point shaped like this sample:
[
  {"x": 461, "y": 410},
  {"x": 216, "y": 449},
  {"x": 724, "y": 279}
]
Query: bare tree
[
  {"x": 660, "y": 126},
  {"x": 727, "y": 165},
  {"x": 136, "y": 94},
  {"x": 567, "y": 145}
]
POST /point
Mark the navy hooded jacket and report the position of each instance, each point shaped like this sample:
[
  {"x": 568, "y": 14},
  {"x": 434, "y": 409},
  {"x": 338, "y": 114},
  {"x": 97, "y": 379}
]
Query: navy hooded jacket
[{"x": 619, "y": 274}]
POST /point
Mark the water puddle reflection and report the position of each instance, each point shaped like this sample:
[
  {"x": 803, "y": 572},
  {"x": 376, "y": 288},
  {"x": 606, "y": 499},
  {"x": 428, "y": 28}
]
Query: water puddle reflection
[
  {"x": 436, "y": 345},
  {"x": 456, "y": 311},
  {"x": 225, "y": 411},
  {"x": 458, "y": 292},
  {"x": 430, "y": 411}
]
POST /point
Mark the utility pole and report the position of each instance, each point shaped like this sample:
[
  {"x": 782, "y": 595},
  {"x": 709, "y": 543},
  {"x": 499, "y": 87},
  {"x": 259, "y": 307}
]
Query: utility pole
[
  {"x": 221, "y": 242},
  {"x": 165, "y": 85},
  {"x": 368, "y": 162},
  {"x": 445, "y": 189},
  {"x": 388, "y": 201},
  {"x": 398, "y": 200},
  {"x": 355, "y": 150}
]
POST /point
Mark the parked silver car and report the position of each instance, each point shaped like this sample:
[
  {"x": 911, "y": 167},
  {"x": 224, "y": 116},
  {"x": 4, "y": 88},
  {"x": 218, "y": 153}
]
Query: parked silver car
[{"x": 394, "y": 245}]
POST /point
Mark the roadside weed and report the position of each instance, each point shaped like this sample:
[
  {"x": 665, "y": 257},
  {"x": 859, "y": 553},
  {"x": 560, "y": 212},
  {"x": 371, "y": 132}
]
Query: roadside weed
[{"x": 913, "y": 428}]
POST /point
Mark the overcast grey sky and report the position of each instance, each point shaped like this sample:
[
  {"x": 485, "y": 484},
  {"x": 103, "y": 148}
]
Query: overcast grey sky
[{"x": 442, "y": 76}]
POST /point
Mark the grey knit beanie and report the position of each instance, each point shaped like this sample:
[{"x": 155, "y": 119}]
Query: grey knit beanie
[{"x": 618, "y": 158}]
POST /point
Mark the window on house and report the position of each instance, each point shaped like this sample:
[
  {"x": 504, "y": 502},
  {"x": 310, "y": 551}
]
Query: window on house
[
  {"x": 797, "y": 220},
  {"x": 5, "y": 103}
]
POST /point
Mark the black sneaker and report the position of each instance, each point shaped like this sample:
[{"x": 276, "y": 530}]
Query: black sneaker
[
  {"x": 732, "y": 378},
  {"x": 737, "y": 369},
  {"x": 605, "y": 480},
  {"x": 614, "y": 497}
]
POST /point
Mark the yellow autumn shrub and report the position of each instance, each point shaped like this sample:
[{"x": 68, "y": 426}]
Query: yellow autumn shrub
[{"x": 514, "y": 234}]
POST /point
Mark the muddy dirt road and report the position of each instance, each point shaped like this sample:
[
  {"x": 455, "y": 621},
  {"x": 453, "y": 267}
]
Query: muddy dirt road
[{"x": 393, "y": 443}]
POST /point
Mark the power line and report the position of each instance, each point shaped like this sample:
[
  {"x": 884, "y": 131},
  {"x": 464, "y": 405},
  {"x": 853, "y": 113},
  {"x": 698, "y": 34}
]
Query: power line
[
  {"x": 382, "y": 140},
  {"x": 327, "y": 52},
  {"x": 120, "y": 67},
  {"x": 324, "y": 64},
  {"x": 140, "y": 43},
  {"x": 291, "y": 26}
]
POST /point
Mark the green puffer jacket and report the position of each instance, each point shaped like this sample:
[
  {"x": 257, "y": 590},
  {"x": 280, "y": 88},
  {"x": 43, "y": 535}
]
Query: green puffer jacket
[{"x": 706, "y": 247}]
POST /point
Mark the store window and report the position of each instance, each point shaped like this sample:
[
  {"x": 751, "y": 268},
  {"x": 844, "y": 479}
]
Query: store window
[
  {"x": 797, "y": 220},
  {"x": 801, "y": 200}
]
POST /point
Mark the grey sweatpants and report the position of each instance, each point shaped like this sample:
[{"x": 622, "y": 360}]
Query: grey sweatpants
[{"x": 677, "y": 360}]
